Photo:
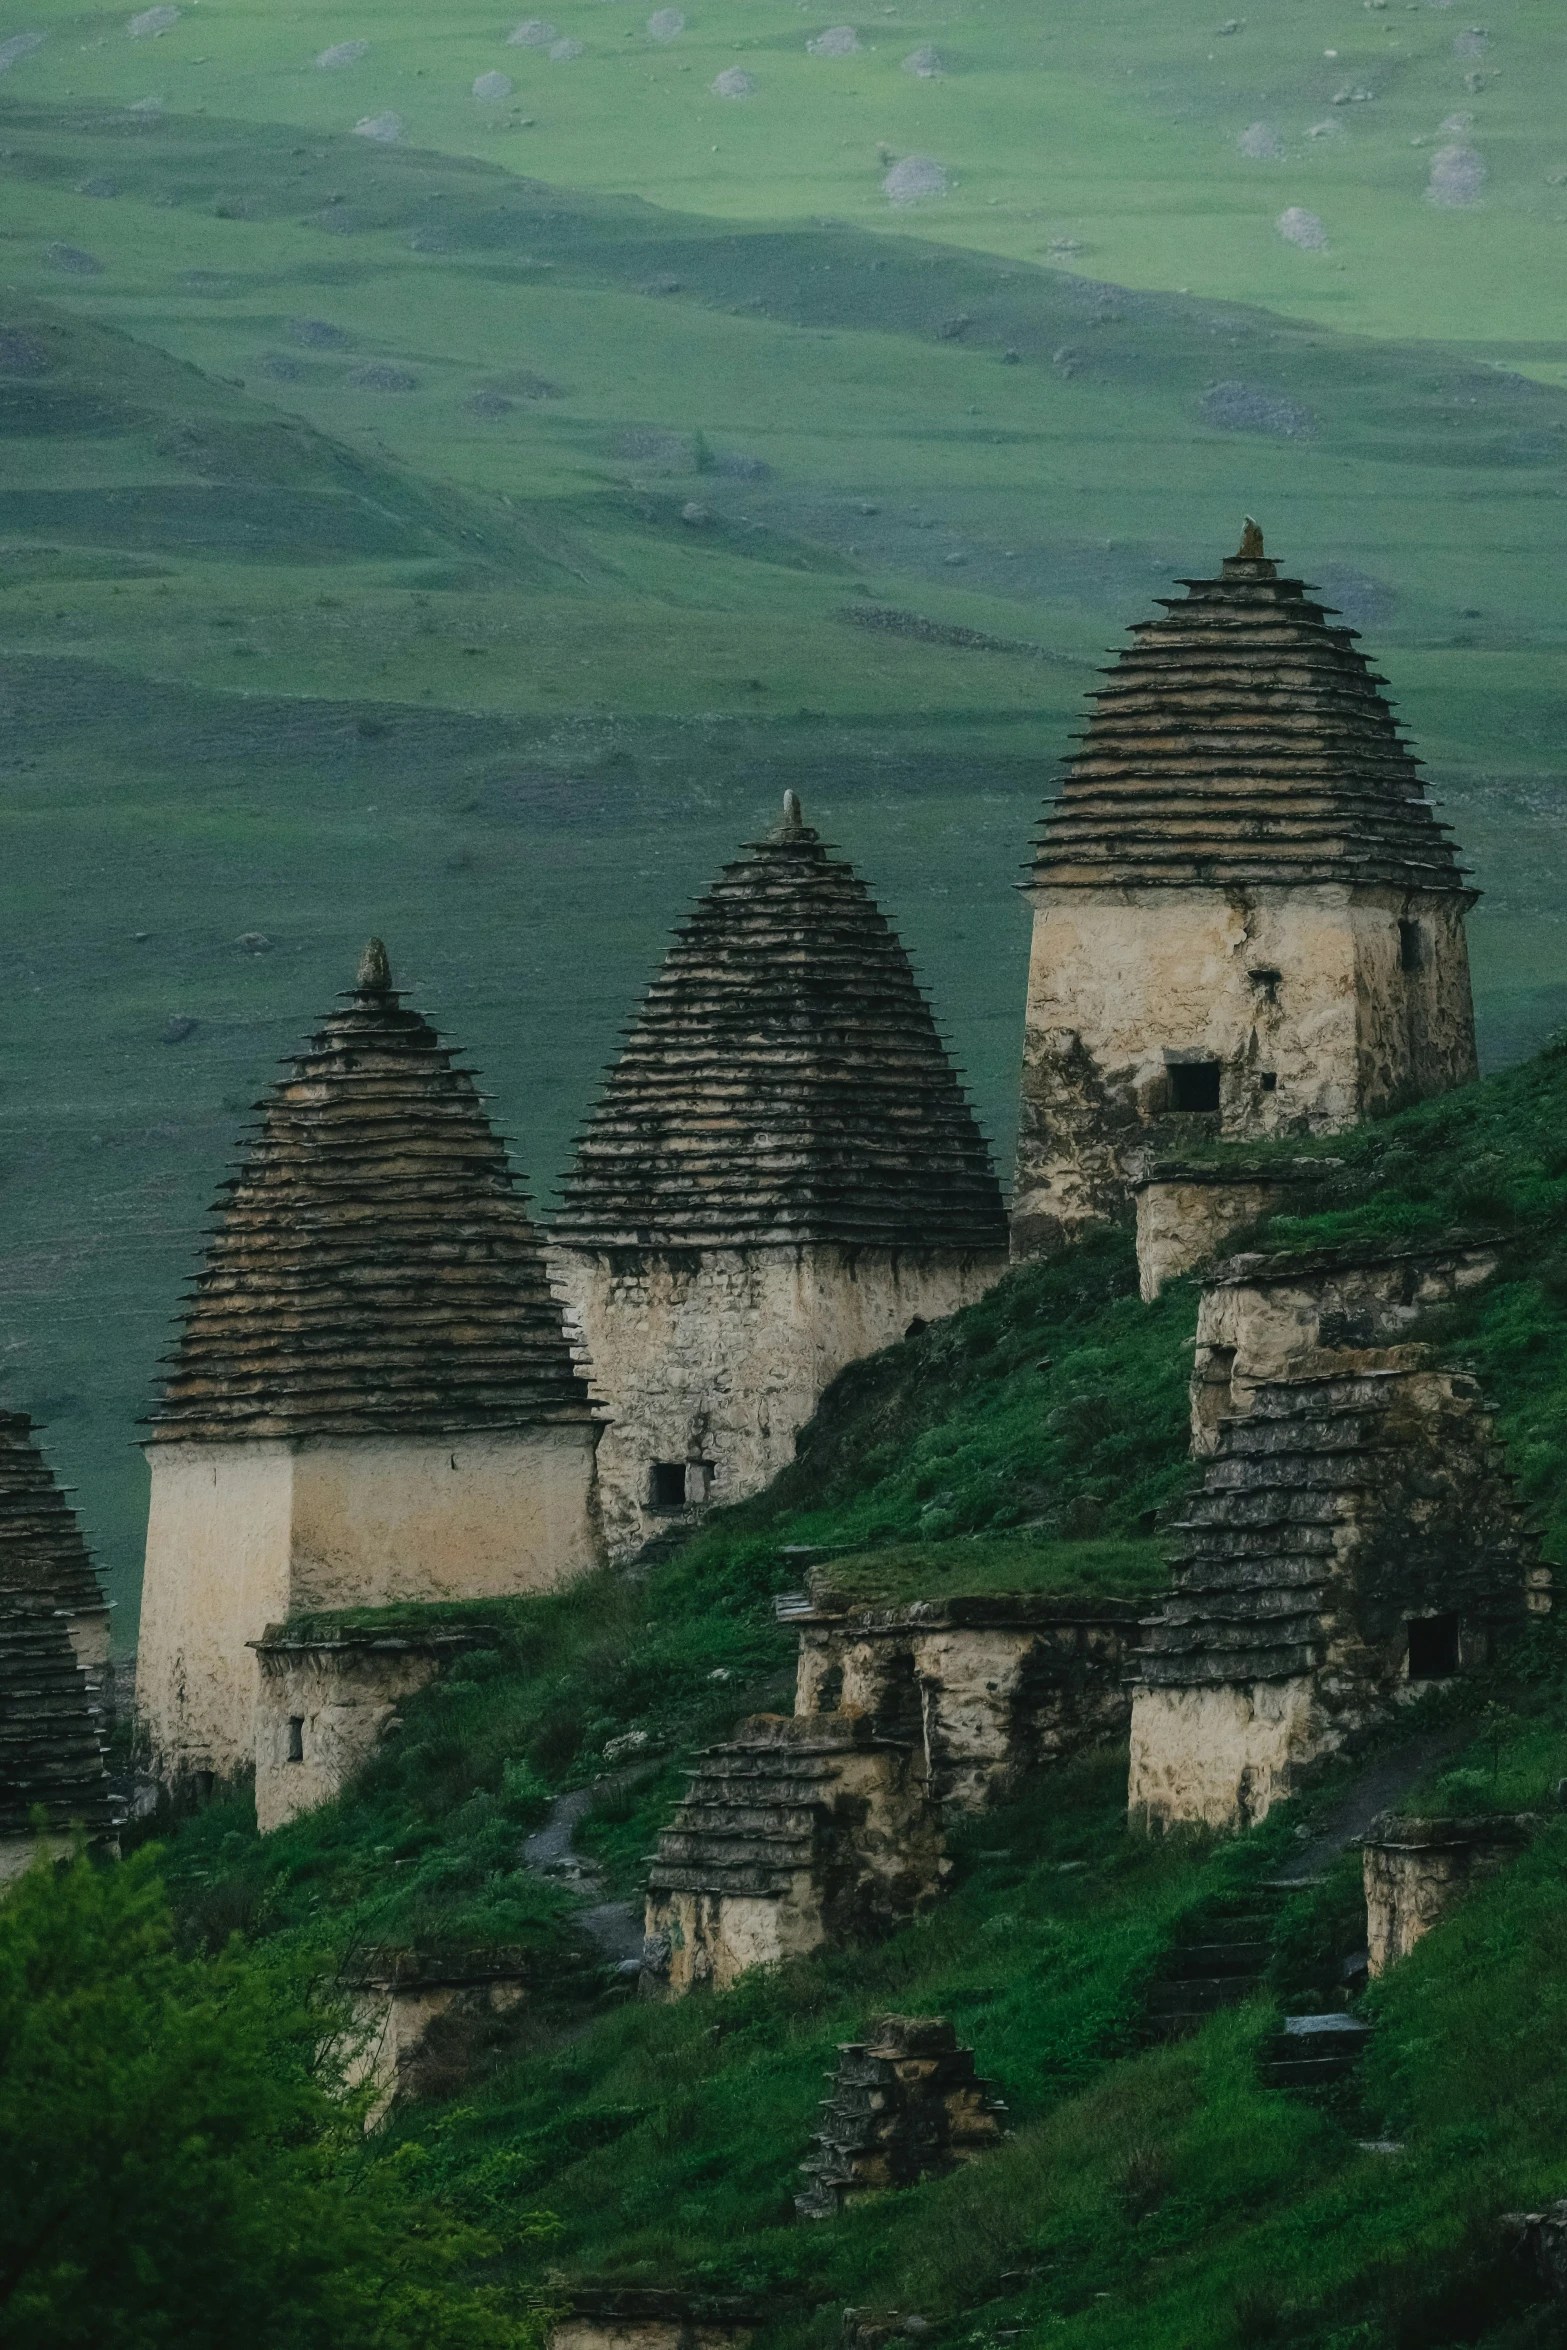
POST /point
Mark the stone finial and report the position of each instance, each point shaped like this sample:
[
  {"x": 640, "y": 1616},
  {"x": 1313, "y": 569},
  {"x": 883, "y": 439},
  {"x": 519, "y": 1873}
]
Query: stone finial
[
  {"x": 375, "y": 970},
  {"x": 793, "y": 817},
  {"x": 1251, "y": 548}
]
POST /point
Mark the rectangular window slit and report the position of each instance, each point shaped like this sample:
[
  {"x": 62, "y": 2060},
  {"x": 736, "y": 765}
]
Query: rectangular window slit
[{"x": 296, "y": 1738}]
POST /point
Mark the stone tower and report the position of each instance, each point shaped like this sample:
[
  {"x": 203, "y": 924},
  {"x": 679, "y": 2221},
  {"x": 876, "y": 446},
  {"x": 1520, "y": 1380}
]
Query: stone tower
[
  {"x": 372, "y": 1398},
  {"x": 1247, "y": 920},
  {"x": 783, "y": 1173},
  {"x": 54, "y": 1648}
]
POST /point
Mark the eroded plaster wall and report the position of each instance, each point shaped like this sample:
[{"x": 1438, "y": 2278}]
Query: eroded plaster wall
[
  {"x": 332, "y": 1702},
  {"x": 716, "y": 1358},
  {"x": 1220, "y": 1757},
  {"x": 1302, "y": 986}
]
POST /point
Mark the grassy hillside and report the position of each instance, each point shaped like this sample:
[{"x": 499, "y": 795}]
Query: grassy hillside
[{"x": 1154, "y": 2195}]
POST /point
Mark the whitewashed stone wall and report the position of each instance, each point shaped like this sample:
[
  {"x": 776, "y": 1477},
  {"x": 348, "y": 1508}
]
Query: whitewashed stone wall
[
  {"x": 717, "y": 1357},
  {"x": 1416, "y": 1873},
  {"x": 1303, "y": 985},
  {"x": 332, "y": 1699},
  {"x": 240, "y": 1536}
]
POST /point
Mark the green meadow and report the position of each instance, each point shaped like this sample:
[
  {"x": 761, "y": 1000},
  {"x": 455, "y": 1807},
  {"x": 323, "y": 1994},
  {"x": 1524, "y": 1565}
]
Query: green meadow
[{"x": 467, "y": 534}]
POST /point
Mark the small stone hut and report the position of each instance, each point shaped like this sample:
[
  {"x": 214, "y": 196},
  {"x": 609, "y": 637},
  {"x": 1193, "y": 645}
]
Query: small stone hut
[
  {"x": 53, "y": 1653},
  {"x": 906, "y": 2105},
  {"x": 1356, "y": 1537},
  {"x": 372, "y": 1398},
  {"x": 1417, "y": 1871},
  {"x": 987, "y": 1687},
  {"x": 783, "y": 1173},
  {"x": 1247, "y": 920}
]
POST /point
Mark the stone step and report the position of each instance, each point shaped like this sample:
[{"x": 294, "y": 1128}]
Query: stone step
[
  {"x": 1237, "y": 1957},
  {"x": 1314, "y": 2051},
  {"x": 1198, "y": 1995}
]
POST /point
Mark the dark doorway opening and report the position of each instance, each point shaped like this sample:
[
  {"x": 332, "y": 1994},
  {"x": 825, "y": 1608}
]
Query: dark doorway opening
[
  {"x": 1194, "y": 1085},
  {"x": 1410, "y": 956},
  {"x": 667, "y": 1485},
  {"x": 1433, "y": 1647}
]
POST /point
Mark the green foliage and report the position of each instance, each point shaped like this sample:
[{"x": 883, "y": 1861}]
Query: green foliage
[{"x": 178, "y": 2170}]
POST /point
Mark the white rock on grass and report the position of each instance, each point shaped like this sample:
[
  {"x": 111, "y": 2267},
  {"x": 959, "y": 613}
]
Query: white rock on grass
[
  {"x": 145, "y": 106},
  {"x": 491, "y": 87},
  {"x": 533, "y": 34},
  {"x": 385, "y": 127},
  {"x": 1333, "y": 128},
  {"x": 19, "y": 45},
  {"x": 1457, "y": 179},
  {"x": 732, "y": 83},
  {"x": 914, "y": 180},
  {"x": 1262, "y": 143},
  {"x": 341, "y": 53},
  {"x": 924, "y": 64},
  {"x": 1299, "y": 227},
  {"x": 839, "y": 40},
  {"x": 665, "y": 24},
  {"x": 562, "y": 52},
  {"x": 152, "y": 22}
]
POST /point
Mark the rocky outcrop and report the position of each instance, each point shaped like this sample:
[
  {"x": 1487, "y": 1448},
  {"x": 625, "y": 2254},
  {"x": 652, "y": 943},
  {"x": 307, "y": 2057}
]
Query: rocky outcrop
[
  {"x": 988, "y": 1687},
  {"x": 906, "y": 2105},
  {"x": 794, "y": 1833}
]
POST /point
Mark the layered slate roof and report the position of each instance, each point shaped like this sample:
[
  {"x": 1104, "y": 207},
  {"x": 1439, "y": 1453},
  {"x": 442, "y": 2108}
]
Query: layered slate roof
[
  {"x": 1243, "y": 738},
  {"x": 51, "y": 1727},
  {"x": 41, "y": 1545},
  {"x": 784, "y": 1083},
  {"x": 374, "y": 1270}
]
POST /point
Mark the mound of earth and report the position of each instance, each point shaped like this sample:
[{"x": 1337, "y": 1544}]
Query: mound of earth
[
  {"x": 561, "y": 52},
  {"x": 342, "y": 53},
  {"x": 1261, "y": 142},
  {"x": 151, "y": 23},
  {"x": 385, "y": 127},
  {"x": 73, "y": 261},
  {"x": 534, "y": 34},
  {"x": 99, "y": 185},
  {"x": 488, "y": 405},
  {"x": 732, "y": 83},
  {"x": 491, "y": 86},
  {"x": 18, "y": 46},
  {"x": 317, "y": 334},
  {"x": 1238, "y": 407},
  {"x": 651, "y": 446},
  {"x": 665, "y": 24},
  {"x": 1300, "y": 227},
  {"x": 284, "y": 368},
  {"x": 839, "y": 40},
  {"x": 913, "y": 180},
  {"x": 924, "y": 64},
  {"x": 1457, "y": 179}
]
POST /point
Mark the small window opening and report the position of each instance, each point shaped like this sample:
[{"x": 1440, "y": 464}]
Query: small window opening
[
  {"x": 1194, "y": 1085},
  {"x": 1267, "y": 984},
  {"x": 1268, "y": 1079},
  {"x": 667, "y": 1485},
  {"x": 1410, "y": 947},
  {"x": 296, "y": 1738},
  {"x": 1433, "y": 1647}
]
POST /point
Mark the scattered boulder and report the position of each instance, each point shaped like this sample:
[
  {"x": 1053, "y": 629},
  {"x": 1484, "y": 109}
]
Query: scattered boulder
[
  {"x": 145, "y": 106},
  {"x": 1241, "y": 407},
  {"x": 19, "y": 45},
  {"x": 732, "y": 83},
  {"x": 152, "y": 23},
  {"x": 379, "y": 375},
  {"x": 926, "y": 65},
  {"x": 914, "y": 180},
  {"x": 73, "y": 261},
  {"x": 1331, "y": 128},
  {"x": 665, "y": 24},
  {"x": 736, "y": 467},
  {"x": 99, "y": 185},
  {"x": 1472, "y": 43},
  {"x": 1262, "y": 143},
  {"x": 698, "y": 516},
  {"x": 1457, "y": 180},
  {"x": 535, "y": 33},
  {"x": 317, "y": 334},
  {"x": 284, "y": 368},
  {"x": 491, "y": 87},
  {"x": 1299, "y": 227},
  {"x": 254, "y": 942},
  {"x": 385, "y": 127},
  {"x": 839, "y": 40},
  {"x": 654, "y": 449},
  {"x": 561, "y": 52},
  {"x": 342, "y": 53},
  {"x": 177, "y": 1029}
]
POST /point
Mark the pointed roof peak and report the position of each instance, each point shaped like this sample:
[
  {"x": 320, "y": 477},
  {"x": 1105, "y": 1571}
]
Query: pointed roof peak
[
  {"x": 793, "y": 830},
  {"x": 374, "y": 976},
  {"x": 1251, "y": 559}
]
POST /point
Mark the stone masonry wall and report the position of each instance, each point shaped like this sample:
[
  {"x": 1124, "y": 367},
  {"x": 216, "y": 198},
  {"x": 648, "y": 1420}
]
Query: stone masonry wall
[
  {"x": 322, "y": 1706},
  {"x": 716, "y": 1358},
  {"x": 1418, "y": 1871}
]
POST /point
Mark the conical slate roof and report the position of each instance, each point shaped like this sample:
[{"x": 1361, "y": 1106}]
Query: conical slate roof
[
  {"x": 1243, "y": 739},
  {"x": 41, "y": 1546},
  {"x": 51, "y": 1728},
  {"x": 784, "y": 1083},
  {"x": 374, "y": 1270}
]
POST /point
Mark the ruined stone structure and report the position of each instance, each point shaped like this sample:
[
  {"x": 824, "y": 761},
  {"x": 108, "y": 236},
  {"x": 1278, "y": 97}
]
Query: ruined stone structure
[
  {"x": 783, "y": 1173},
  {"x": 1247, "y": 920},
  {"x": 1418, "y": 1871},
  {"x": 372, "y": 1398},
  {"x": 1356, "y": 1536},
  {"x": 1188, "y": 1211},
  {"x": 53, "y": 1651},
  {"x": 324, "y": 1697},
  {"x": 422, "y": 2021},
  {"x": 987, "y": 1688},
  {"x": 906, "y": 2105},
  {"x": 794, "y": 1833}
]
